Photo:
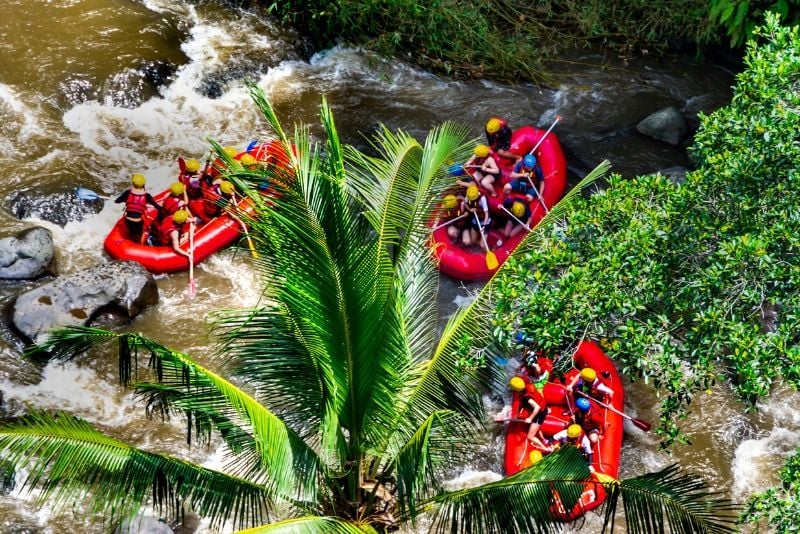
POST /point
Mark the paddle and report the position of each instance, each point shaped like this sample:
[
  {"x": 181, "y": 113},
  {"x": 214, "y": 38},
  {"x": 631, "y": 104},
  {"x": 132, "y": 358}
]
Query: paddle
[
  {"x": 644, "y": 425},
  {"x": 528, "y": 228},
  {"x": 539, "y": 142},
  {"x": 87, "y": 194},
  {"x": 250, "y": 245},
  {"x": 182, "y": 164},
  {"x": 451, "y": 221},
  {"x": 252, "y": 145},
  {"x": 192, "y": 287},
  {"x": 491, "y": 259},
  {"x": 541, "y": 200}
]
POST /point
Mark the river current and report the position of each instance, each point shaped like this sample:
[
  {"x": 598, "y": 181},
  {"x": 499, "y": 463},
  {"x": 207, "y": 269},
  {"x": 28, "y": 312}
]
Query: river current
[{"x": 92, "y": 91}]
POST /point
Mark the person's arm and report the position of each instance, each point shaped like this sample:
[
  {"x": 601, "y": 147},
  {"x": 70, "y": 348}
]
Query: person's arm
[
  {"x": 176, "y": 246},
  {"x": 485, "y": 207},
  {"x": 123, "y": 197},
  {"x": 602, "y": 388},
  {"x": 536, "y": 409},
  {"x": 573, "y": 382},
  {"x": 490, "y": 166}
]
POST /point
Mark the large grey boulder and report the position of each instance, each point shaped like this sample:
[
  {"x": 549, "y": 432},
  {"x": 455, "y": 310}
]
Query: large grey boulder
[
  {"x": 668, "y": 125},
  {"x": 26, "y": 255},
  {"x": 142, "y": 524},
  {"x": 74, "y": 300}
]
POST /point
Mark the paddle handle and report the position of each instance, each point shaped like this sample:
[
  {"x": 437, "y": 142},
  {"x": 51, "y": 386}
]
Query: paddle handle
[
  {"x": 451, "y": 221},
  {"x": 546, "y": 133},
  {"x": 528, "y": 228},
  {"x": 644, "y": 425},
  {"x": 192, "y": 287}
]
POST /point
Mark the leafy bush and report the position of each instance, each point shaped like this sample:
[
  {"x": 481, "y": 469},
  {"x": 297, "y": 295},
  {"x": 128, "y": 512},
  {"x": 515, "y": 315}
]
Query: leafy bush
[
  {"x": 780, "y": 507},
  {"x": 739, "y": 17},
  {"x": 686, "y": 284}
]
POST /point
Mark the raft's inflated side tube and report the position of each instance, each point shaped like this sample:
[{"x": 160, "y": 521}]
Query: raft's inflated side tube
[
  {"x": 607, "y": 451},
  {"x": 456, "y": 261}
]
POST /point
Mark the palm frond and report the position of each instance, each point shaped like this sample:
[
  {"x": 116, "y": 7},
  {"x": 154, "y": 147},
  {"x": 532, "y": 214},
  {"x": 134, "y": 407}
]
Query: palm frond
[
  {"x": 312, "y": 525},
  {"x": 670, "y": 501},
  {"x": 441, "y": 440},
  {"x": 72, "y": 462},
  {"x": 520, "y": 503}
]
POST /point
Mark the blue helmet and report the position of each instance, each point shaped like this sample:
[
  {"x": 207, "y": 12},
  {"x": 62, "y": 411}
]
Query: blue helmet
[
  {"x": 529, "y": 161},
  {"x": 456, "y": 169},
  {"x": 583, "y": 404}
]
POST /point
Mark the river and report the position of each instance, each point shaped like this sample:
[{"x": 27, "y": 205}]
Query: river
[{"x": 92, "y": 91}]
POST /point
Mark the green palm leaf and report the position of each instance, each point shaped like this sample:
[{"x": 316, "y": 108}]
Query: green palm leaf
[
  {"x": 73, "y": 462},
  {"x": 519, "y": 503},
  {"x": 312, "y": 525},
  {"x": 670, "y": 501}
]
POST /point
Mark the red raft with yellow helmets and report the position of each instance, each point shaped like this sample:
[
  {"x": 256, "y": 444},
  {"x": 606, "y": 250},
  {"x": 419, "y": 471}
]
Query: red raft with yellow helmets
[
  {"x": 470, "y": 263},
  {"x": 209, "y": 238},
  {"x": 519, "y": 453}
]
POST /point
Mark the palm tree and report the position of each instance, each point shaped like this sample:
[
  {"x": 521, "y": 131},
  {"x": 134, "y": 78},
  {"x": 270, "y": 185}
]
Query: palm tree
[{"x": 345, "y": 408}]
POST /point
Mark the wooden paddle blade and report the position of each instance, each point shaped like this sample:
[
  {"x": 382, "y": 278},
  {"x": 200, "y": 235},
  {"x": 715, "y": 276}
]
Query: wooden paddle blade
[
  {"x": 644, "y": 425},
  {"x": 491, "y": 261}
]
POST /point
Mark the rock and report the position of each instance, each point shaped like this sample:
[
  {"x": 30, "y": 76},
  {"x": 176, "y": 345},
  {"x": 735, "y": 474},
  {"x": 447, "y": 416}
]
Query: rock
[
  {"x": 676, "y": 175},
  {"x": 119, "y": 287},
  {"x": 59, "y": 208},
  {"x": 26, "y": 255},
  {"x": 697, "y": 104},
  {"x": 142, "y": 524},
  {"x": 667, "y": 124}
]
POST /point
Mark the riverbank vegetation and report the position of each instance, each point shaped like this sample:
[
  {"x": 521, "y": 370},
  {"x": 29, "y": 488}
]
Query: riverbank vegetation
[
  {"x": 346, "y": 410},
  {"x": 517, "y": 39},
  {"x": 687, "y": 284}
]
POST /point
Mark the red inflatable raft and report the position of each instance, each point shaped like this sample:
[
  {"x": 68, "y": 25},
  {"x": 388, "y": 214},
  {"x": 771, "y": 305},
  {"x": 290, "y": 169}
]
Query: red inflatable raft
[
  {"x": 606, "y": 451},
  {"x": 470, "y": 264},
  {"x": 208, "y": 238}
]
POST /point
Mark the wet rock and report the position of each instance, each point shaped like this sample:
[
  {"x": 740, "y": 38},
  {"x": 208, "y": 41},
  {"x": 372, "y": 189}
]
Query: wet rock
[
  {"x": 59, "y": 208},
  {"x": 142, "y": 524},
  {"x": 26, "y": 255},
  {"x": 667, "y": 124},
  {"x": 702, "y": 103},
  {"x": 157, "y": 73},
  {"x": 118, "y": 287},
  {"x": 677, "y": 174}
]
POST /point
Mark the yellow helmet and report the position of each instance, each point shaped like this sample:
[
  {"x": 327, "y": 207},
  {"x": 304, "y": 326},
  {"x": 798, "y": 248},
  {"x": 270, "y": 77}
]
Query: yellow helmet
[
  {"x": 574, "y": 431},
  {"x": 180, "y": 216},
  {"x": 481, "y": 151},
  {"x": 588, "y": 374},
  {"x": 516, "y": 384},
  {"x": 472, "y": 192},
  {"x": 231, "y": 151},
  {"x": 138, "y": 180},
  {"x": 192, "y": 165},
  {"x": 493, "y": 126},
  {"x": 449, "y": 202},
  {"x": 518, "y": 209},
  {"x": 535, "y": 456},
  {"x": 247, "y": 160},
  {"x": 177, "y": 188},
  {"x": 226, "y": 187}
]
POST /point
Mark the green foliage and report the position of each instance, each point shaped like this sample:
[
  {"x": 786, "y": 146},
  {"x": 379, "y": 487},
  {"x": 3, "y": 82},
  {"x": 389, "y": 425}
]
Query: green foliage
[
  {"x": 686, "y": 284},
  {"x": 739, "y": 17},
  {"x": 779, "y": 507}
]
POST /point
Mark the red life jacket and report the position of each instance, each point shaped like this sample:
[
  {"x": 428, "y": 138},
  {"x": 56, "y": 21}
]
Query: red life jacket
[
  {"x": 531, "y": 393},
  {"x": 135, "y": 205},
  {"x": 172, "y": 204},
  {"x": 165, "y": 229},
  {"x": 210, "y": 198}
]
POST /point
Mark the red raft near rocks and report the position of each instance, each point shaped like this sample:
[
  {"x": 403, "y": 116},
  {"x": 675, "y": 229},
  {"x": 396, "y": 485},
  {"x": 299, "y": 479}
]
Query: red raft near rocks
[
  {"x": 209, "y": 238},
  {"x": 470, "y": 264},
  {"x": 606, "y": 452}
]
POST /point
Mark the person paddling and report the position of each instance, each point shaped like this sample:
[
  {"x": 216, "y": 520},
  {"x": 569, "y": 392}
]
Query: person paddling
[
  {"x": 449, "y": 209},
  {"x": 477, "y": 206},
  {"x": 177, "y": 199},
  {"x": 521, "y": 217},
  {"x": 484, "y": 168},
  {"x": 590, "y": 419},
  {"x": 587, "y": 383},
  {"x": 173, "y": 231},
  {"x": 136, "y": 200},
  {"x": 526, "y": 178},
  {"x": 532, "y": 403},
  {"x": 215, "y": 198},
  {"x": 574, "y": 435}
]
